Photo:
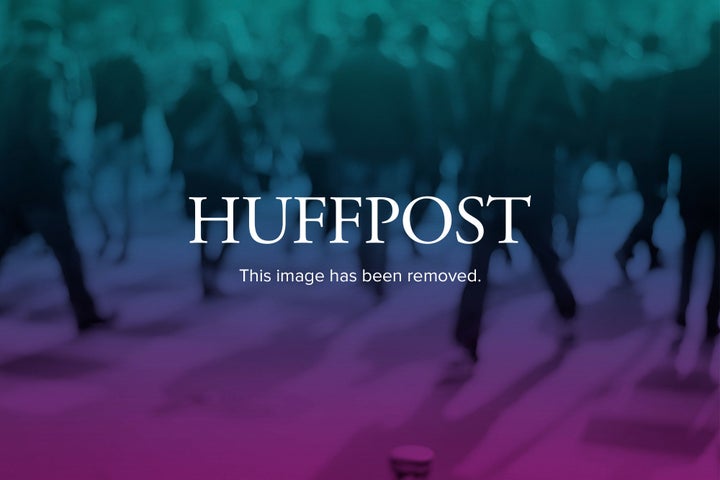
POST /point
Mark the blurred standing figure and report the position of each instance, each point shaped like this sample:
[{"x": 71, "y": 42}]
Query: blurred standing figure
[
  {"x": 692, "y": 130},
  {"x": 31, "y": 172},
  {"x": 120, "y": 101},
  {"x": 634, "y": 122},
  {"x": 434, "y": 118},
  {"x": 521, "y": 112},
  {"x": 208, "y": 152},
  {"x": 371, "y": 121},
  {"x": 587, "y": 98},
  {"x": 307, "y": 122}
]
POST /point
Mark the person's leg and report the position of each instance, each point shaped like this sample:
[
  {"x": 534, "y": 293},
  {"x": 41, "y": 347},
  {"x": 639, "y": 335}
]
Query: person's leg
[
  {"x": 425, "y": 182},
  {"x": 8, "y": 234},
  {"x": 52, "y": 223},
  {"x": 580, "y": 167},
  {"x": 472, "y": 303},
  {"x": 373, "y": 257},
  {"x": 96, "y": 209},
  {"x": 208, "y": 274},
  {"x": 104, "y": 155},
  {"x": 539, "y": 238},
  {"x": 653, "y": 205},
  {"x": 126, "y": 212},
  {"x": 133, "y": 151},
  {"x": 210, "y": 266},
  {"x": 362, "y": 177},
  {"x": 643, "y": 230},
  {"x": 713, "y": 305},
  {"x": 426, "y": 179},
  {"x": 693, "y": 232}
]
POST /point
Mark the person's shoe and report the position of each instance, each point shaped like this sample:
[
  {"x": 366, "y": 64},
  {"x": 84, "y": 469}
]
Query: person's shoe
[
  {"x": 712, "y": 335},
  {"x": 209, "y": 276},
  {"x": 379, "y": 292},
  {"x": 212, "y": 292},
  {"x": 622, "y": 258},
  {"x": 461, "y": 369},
  {"x": 567, "y": 309},
  {"x": 102, "y": 249},
  {"x": 121, "y": 256},
  {"x": 566, "y": 333},
  {"x": 655, "y": 262},
  {"x": 93, "y": 322},
  {"x": 713, "y": 330},
  {"x": 469, "y": 350}
]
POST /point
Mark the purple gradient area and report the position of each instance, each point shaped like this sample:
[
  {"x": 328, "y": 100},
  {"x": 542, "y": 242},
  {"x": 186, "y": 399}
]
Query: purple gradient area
[{"x": 278, "y": 382}]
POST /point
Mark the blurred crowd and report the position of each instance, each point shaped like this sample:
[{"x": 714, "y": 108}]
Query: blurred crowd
[{"x": 385, "y": 103}]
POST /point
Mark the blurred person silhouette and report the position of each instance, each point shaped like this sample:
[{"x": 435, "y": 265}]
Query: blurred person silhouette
[
  {"x": 653, "y": 56},
  {"x": 31, "y": 164},
  {"x": 246, "y": 74},
  {"x": 587, "y": 99},
  {"x": 522, "y": 113},
  {"x": 470, "y": 79},
  {"x": 307, "y": 122},
  {"x": 634, "y": 118},
  {"x": 243, "y": 69},
  {"x": 692, "y": 131},
  {"x": 120, "y": 101},
  {"x": 433, "y": 106},
  {"x": 208, "y": 153},
  {"x": 170, "y": 71},
  {"x": 371, "y": 119}
]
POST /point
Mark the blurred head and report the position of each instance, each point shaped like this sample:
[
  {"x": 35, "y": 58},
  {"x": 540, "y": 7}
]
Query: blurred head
[
  {"x": 114, "y": 26},
  {"x": 37, "y": 28},
  {"x": 373, "y": 29},
  {"x": 419, "y": 37},
  {"x": 651, "y": 43},
  {"x": 504, "y": 24},
  {"x": 321, "y": 49},
  {"x": 204, "y": 69},
  {"x": 211, "y": 63}
]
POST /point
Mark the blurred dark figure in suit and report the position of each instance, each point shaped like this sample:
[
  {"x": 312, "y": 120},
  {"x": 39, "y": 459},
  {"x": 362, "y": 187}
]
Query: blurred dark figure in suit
[
  {"x": 31, "y": 168},
  {"x": 692, "y": 131},
  {"x": 587, "y": 99},
  {"x": 308, "y": 123},
  {"x": 522, "y": 113},
  {"x": 371, "y": 120},
  {"x": 120, "y": 101},
  {"x": 208, "y": 152},
  {"x": 634, "y": 107},
  {"x": 434, "y": 120},
  {"x": 246, "y": 76},
  {"x": 471, "y": 78}
]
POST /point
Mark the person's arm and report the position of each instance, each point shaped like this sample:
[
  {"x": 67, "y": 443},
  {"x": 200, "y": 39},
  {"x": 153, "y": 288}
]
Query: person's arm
[
  {"x": 136, "y": 98},
  {"x": 558, "y": 119},
  {"x": 407, "y": 120},
  {"x": 43, "y": 124}
]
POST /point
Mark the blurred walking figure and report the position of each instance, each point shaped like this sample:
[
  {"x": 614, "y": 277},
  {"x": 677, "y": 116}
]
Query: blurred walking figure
[
  {"x": 522, "y": 113},
  {"x": 307, "y": 122},
  {"x": 371, "y": 121},
  {"x": 634, "y": 122},
  {"x": 208, "y": 152},
  {"x": 31, "y": 168},
  {"x": 434, "y": 119},
  {"x": 692, "y": 130},
  {"x": 120, "y": 101},
  {"x": 587, "y": 98}
]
